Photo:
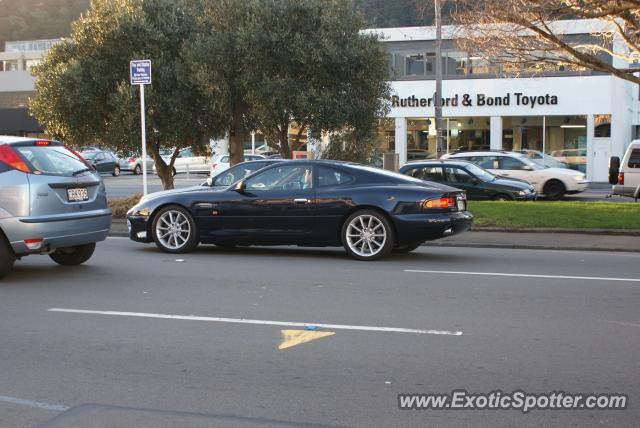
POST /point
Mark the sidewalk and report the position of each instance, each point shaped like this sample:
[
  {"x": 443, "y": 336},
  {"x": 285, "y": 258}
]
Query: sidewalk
[{"x": 546, "y": 240}]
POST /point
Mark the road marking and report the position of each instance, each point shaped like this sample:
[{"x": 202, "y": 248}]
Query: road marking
[
  {"x": 522, "y": 275},
  {"x": 296, "y": 337},
  {"x": 259, "y": 322},
  {"x": 36, "y": 404}
]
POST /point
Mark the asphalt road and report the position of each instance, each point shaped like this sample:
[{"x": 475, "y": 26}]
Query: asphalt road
[
  {"x": 127, "y": 184},
  {"x": 575, "y": 330}
]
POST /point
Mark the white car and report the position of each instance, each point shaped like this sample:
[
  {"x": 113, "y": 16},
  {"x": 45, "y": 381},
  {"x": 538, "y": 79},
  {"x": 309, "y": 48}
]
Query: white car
[
  {"x": 133, "y": 162},
  {"x": 220, "y": 163},
  {"x": 625, "y": 175},
  {"x": 551, "y": 182},
  {"x": 187, "y": 161}
]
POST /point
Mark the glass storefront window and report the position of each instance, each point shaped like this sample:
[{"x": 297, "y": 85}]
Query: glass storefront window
[
  {"x": 462, "y": 134},
  {"x": 385, "y": 134},
  {"x": 456, "y": 63},
  {"x": 415, "y": 65},
  {"x": 566, "y": 140},
  {"x": 522, "y": 133},
  {"x": 467, "y": 133}
]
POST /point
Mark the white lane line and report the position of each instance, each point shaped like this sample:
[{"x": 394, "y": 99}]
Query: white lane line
[
  {"x": 522, "y": 275},
  {"x": 36, "y": 404},
  {"x": 259, "y": 322}
]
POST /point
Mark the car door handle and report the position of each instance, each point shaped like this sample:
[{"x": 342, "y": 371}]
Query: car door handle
[{"x": 301, "y": 201}]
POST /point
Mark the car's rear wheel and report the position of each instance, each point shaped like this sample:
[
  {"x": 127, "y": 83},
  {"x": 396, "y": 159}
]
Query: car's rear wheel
[
  {"x": 403, "y": 249},
  {"x": 174, "y": 230},
  {"x": 367, "y": 235},
  {"x": 116, "y": 171},
  {"x": 73, "y": 256},
  {"x": 137, "y": 170},
  {"x": 554, "y": 190},
  {"x": 7, "y": 258}
]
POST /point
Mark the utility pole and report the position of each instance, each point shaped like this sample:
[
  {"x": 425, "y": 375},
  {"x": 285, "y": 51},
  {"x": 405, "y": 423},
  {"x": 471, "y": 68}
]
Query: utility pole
[{"x": 438, "y": 101}]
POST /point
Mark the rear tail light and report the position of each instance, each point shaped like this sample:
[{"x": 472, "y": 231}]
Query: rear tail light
[
  {"x": 214, "y": 165},
  {"x": 621, "y": 178},
  {"x": 132, "y": 159},
  {"x": 42, "y": 143},
  {"x": 440, "y": 203},
  {"x": 11, "y": 158}
]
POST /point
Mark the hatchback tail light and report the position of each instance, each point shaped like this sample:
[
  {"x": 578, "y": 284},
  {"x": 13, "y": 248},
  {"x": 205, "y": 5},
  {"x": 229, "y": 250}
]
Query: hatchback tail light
[
  {"x": 131, "y": 159},
  {"x": 11, "y": 158},
  {"x": 621, "y": 178},
  {"x": 214, "y": 165}
]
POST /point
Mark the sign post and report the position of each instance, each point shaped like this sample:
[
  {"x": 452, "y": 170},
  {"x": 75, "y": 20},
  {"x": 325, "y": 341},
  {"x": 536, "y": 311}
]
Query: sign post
[{"x": 140, "y": 73}]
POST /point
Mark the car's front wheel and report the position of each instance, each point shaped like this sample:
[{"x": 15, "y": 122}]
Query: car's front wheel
[
  {"x": 116, "y": 171},
  {"x": 554, "y": 190},
  {"x": 367, "y": 235},
  {"x": 73, "y": 256},
  {"x": 137, "y": 170},
  {"x": 7, "y": 258},
  {"x": 174, "y": 230}
]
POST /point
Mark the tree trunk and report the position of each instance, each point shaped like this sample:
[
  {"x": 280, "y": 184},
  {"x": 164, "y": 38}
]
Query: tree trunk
[
  {"x": 236, "y": 137},
  {"x": 165, "y": 172},
  {"x": 285, "y": 149}
]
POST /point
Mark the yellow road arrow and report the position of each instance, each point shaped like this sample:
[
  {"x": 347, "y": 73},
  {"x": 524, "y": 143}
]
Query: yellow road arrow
[{"x": 296, "y": 337}]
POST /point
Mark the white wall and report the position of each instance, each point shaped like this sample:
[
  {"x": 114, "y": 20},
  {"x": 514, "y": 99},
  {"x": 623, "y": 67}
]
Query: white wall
[{"x": 16, "y": 81}]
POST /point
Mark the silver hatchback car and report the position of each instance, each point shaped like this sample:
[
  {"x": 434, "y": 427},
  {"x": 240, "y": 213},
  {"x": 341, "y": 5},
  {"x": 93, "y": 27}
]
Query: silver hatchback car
[{"x": 51, "y": 202}]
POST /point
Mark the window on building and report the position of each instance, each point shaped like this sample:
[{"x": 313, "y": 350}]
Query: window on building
[
  {"x": 522, "y": 133},
  {"x": 602, "y": 126},
  {"x": 566, "y": 140},
  {"x": 415, "y": 64}
]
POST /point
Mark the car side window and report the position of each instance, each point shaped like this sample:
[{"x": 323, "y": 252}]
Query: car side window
[
  {"x": 289, "y": 177},
  {"x": 457, "y": 175},
  {"x": 236, "y": 173},
  {"x": 634, "y": 159},
  {"x": 332, "y": 177},
  {"x": 99, "y": 157},
  {"x": 224, "y": 159},
  {"x": 429, "y": 173},
  {"x": 486, "y": 162},
  {"x": 187, "y": 153},
  {"x": 509, "y": 163}
]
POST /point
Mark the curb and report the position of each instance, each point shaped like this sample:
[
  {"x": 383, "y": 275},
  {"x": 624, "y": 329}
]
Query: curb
[
  {"x": 611, "y": 232},
  {"x": 120, "y": 231}
]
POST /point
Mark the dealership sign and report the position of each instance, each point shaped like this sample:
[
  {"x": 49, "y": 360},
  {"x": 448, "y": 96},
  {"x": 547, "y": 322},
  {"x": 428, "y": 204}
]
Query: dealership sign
[{"x": 479, "y": 100}]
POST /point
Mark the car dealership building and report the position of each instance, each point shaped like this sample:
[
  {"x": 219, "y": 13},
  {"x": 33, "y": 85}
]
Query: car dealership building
[{"x": 577, "y": 116}]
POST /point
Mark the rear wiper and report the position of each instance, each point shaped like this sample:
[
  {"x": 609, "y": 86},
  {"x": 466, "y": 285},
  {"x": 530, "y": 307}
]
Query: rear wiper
[{"x": 80, "y": 171}]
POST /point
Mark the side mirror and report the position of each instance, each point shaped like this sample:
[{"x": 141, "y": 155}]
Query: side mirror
[
  {"x": 209, "y": 181},
  {"x": 527, "y": 168},
  {"x": 240, "y": 186}
]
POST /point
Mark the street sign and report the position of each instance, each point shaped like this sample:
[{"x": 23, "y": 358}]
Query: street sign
[{"x": 140, "y": 72}]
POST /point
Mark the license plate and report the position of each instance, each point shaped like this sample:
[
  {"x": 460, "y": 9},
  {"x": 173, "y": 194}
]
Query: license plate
[
  {"x": 77, "y": 195},
  {"x": 462, "y": 205}
]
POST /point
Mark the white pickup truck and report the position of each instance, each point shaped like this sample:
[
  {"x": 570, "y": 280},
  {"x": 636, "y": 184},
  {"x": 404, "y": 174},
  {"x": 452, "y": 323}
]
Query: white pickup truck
[{"x": 625, "y": 174}]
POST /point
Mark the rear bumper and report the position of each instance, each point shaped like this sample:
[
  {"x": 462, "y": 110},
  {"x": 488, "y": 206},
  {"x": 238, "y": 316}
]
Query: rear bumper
[
  {"x": 413, "y": 228},
  {"x": 623, "y": 190},
  {"x": 56, "y": 231}
]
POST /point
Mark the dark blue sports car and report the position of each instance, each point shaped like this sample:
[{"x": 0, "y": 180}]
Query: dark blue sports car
[{"x": 371, "y": 212}]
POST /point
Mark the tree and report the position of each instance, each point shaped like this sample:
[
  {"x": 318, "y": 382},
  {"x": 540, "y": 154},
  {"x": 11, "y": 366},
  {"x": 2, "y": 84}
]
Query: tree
[
  {"x": 83, "y": 94},
  {"x": 520, "y": 33},
  {"x": 302, "y": 62}
]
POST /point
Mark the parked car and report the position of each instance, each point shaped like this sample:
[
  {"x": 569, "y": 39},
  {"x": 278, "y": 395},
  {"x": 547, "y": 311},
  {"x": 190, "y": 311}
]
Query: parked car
[
  {"x": 239, "y": 171},
  {"x": 478, "y": 183},
  {"x": 220, "y": 163},
  {"x": 103, "y": 161},
  {"x": 133, "y": 162},
  {"x": 625, "y": 174},
  {"x": 417, "y": 154},
  {"x": 51, "y": 202},
  {"x": 542, "y": 158},
  {"x": 554, "y": 183},
  {"x": 368, "y": 211},
  {"x": 187, "y": 161},
  {"x": 573, "y": 158}
]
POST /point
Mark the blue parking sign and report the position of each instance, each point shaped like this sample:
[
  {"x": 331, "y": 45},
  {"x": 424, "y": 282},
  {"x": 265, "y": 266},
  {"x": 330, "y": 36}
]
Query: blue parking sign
[{"x": 140, "y": 72}]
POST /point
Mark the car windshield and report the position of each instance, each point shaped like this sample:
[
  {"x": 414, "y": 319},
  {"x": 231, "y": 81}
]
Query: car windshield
[
  {"x": 480, "y": 173},
  {"x": 89, "y": 155},
  {"x": 53, "y": 160},
  {"x": 533, "y": 163}
]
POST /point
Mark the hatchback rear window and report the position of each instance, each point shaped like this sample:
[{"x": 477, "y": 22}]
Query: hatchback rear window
[
  {"x": 634, "y": 159},
  {"x": 53, "y": 160}
]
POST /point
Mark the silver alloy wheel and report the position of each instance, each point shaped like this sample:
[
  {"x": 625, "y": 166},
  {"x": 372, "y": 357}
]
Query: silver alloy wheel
[
  {"x": 173, "y": 229},
  {"x": 366, "y": 235}
]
